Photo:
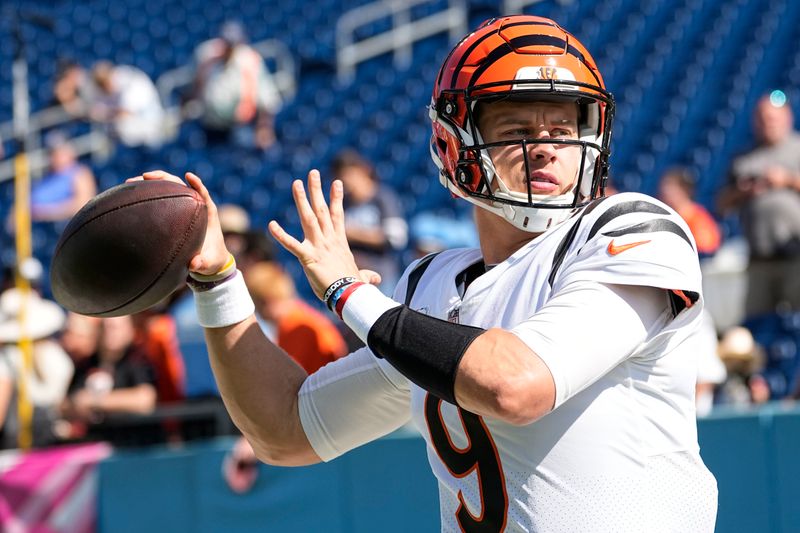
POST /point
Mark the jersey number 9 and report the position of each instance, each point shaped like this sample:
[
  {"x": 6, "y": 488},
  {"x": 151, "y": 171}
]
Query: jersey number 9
[{"x": 480, "y": 455}]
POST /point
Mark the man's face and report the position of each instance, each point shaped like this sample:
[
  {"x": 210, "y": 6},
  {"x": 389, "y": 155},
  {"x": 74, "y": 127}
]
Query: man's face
[
  {"x": 670, "y": 191},
  {"x": 117, "y": 334},
  {"x": 553, "y": 167},
  {"x": 62, "y": 157},
  {"x": 772, "y": 124},
  {"x": 357, "y": 183}
]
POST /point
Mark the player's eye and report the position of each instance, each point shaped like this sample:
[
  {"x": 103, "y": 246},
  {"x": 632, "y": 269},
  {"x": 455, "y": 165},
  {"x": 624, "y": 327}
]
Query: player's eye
[
  {"x": 562, "y": 133},
  {"x": 516, "y": 132}
]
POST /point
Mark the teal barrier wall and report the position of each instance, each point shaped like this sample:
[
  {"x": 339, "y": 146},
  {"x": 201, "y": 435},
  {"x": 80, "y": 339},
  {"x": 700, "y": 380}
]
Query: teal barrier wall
[
  {"x": 387, "y": 486},
  {"x": 755, "y": 456}
]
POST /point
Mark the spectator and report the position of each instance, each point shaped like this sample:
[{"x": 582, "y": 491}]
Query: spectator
[
  {"x": 744, "y": 360},
  {"x": 66, "y": 187},
  {"x": 72, "y": 89},
  {"x": 46, "y": 382},
  {"x": 375, "y": 226},
  {"x": 127, "y": 100},
  {"x": 237, "y": 93},
  {"x": 157, "y": 337},
  {"x": 764, "y": 185},
  {"x": 676, "y": 189},
  {"x": 117, "y": 379},
  {"x": 307, "y": 335},
  {"x": 80, "y": 336},
  {"x": 248, "y": 246},
  {"x": 240, "y": 466}
]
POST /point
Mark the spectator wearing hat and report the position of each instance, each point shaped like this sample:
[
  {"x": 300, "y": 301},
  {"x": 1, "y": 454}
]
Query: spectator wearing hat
[
  {"x": 47, "y": 381},
  {"x": 67, "y": 185},
  {"x": 238, "y": 95},
  {"x": 247, "y": 245},
  {"x": 744, "y": 360}
]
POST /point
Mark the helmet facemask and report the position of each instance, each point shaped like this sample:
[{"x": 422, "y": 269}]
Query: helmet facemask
[{"x": 477, "y": 179}]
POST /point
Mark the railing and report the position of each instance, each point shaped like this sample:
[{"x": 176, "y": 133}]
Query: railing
[
  {"x": 512, "y": 7},
  {"x": 404, "y": 33},
  {"x": 97, "y": 142}
]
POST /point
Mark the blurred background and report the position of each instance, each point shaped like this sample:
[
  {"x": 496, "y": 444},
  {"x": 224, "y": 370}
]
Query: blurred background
[{"x": 250, "y": 95}]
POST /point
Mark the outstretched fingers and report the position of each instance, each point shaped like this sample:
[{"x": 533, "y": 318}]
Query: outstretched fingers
[
  {"x": 318, "y": 203},
  {"x": 294, "y": 246},
  {"x": 308, "y": 219},
  {"x": 337, "y": 208}
]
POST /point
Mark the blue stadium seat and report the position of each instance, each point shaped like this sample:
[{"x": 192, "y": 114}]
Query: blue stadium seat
[{"x": 684, "y": 73}]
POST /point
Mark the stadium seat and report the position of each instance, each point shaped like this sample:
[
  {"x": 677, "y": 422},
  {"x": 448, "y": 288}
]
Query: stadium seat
[{"x": 684, "y": 73}]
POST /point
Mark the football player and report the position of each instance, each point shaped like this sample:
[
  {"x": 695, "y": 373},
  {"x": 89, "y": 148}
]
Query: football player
[{"x": 549, "y": 370}]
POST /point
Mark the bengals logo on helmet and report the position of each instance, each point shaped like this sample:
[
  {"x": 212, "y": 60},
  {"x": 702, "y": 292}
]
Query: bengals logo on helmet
[{"x": 548, "y": 73}]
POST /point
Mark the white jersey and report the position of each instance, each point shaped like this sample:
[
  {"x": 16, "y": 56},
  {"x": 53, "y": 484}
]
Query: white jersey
[{"x": 619, "y": 451}]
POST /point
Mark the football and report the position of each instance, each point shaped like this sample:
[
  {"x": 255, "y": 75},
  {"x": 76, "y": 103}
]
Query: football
[{"x": 128, "y": 248}]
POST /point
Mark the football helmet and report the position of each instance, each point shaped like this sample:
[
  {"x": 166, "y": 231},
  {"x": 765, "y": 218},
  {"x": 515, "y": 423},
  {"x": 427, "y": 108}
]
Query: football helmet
[{"x": 524, "y": 58}]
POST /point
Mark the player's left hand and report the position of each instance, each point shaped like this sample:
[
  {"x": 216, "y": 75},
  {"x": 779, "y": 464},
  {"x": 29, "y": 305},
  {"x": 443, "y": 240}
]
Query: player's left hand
[{"x": 324, "y": 252}]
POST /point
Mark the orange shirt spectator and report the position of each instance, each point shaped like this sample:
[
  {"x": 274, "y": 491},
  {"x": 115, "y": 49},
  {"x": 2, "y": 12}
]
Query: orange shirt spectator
[
  {"x": 307, "y": 335},
  {"x": 156, "y": 335},
  {"x": 676, "y": 190},
  {"x": 703, "y": 227}
]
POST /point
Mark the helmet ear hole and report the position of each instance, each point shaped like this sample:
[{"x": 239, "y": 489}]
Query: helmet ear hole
[
  {"x": 464, "y": 175},
  {"x": 442, "y": 145},
  {"x": 468, "y": 176}
]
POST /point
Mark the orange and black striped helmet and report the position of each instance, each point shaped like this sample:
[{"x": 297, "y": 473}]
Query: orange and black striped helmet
[{"x": 518, "y": 58}]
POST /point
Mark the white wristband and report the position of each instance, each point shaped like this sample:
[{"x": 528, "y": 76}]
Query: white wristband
[
  {"x": 224, "y": 305},
  {"x": 364, "y": 307}
]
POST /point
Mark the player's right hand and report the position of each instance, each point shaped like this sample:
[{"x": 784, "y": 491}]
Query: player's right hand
[{"x": 214, "y": 254}]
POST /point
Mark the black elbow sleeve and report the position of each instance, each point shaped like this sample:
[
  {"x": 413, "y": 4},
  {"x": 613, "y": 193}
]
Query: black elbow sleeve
[{"x": 424, "y": 349}]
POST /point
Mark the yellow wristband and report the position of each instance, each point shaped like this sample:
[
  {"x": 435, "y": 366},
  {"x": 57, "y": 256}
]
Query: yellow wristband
[{"x": 230, "y": 266}]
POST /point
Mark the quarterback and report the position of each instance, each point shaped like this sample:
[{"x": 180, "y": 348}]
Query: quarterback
[{"x": 550, "y": 371}]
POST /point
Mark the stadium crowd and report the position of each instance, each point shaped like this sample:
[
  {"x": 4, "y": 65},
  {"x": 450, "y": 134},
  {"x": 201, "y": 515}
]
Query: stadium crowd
[{"x": 106, "y": 378}]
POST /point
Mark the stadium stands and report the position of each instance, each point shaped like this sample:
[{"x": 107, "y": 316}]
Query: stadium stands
[
  {"x": 779, "y": 335},
  {"x": 685, "y": 74}
]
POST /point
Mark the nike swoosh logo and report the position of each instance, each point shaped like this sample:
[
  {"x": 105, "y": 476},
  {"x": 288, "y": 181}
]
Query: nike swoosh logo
[{"x": 613, "y": 249}]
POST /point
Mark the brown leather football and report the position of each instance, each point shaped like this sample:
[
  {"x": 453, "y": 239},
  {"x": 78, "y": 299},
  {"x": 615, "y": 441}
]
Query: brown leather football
[{"x": 128, "y": 248}]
